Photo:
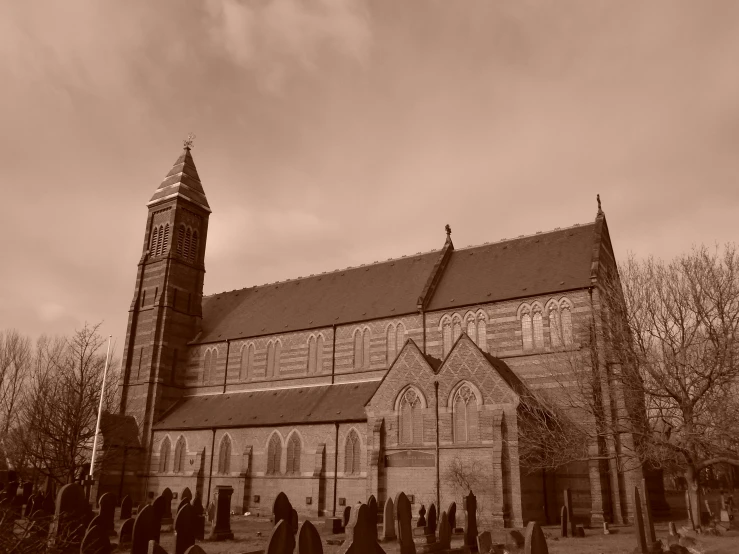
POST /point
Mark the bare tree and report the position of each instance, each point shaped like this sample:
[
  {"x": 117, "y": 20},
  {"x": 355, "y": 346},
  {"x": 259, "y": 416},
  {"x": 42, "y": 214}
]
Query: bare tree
[{"x": 15, "y": 364}]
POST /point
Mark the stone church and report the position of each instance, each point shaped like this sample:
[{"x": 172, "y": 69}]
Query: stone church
[{"x": 394, "y": 375}]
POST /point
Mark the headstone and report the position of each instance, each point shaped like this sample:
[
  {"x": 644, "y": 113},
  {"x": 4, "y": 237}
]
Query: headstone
[
  {"x": 404, "y": 515},
  {"x": 186, "y": 493},
  {"x": 126, "y": 507},
  {"x": 563, "y": 521},
  {"x": 452, "y": 515},
  {"x": 71, "y": 516},
  {"x": 221, "y": 529},
  {"x": 388, "y": 521},
  {"x": 470, "y": 522},
  {"x": 195, "y": 549},
  {"x": 294, "y": 521},
  {"x": 421, "y": 517},
  {"x": 484, "y": 542},
  {"x": 281, "y": 540},
  {"x": 346, "y": 515},
  {"x": 570, "y": 511},
  {"x": 95, "y": 541},
  {"x": 140, "y": 507},
  {"x": 167, "y": 514},
  {"x": 107, "y": 512},
  {"x": 143, "y": 530},
  {"x": 651, "y": 536},
  {"x": 282, "y": 509},
  {"x": 372, "y": 506},
  {"x": 535, "y": 542},
  {"x": 445, "y": 532},
  {"x": 360, "y": 537},
  {"x": 309, "y": 541},
  {"x": 197, "y": 505},
  {"x": 159, "y": 506},
  {"x": 154, "y": 548},
  {"x": 125, "y": 535},
  {"x": 431, "y": 519},
  {"x": 641, "y": 539},
  {"x": 96, "y": 521},
  {"x": 184, "y": 528}
]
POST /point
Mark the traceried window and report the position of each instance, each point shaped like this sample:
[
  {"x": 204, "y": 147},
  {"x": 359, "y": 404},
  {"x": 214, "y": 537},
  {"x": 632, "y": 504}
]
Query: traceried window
[
  {"x": 566, "y": 317},
  {"x": 165, "y": 240},
  {"x": 538, "y": 330},
  {"x": 194, "y": 247},
  {"x": 164, "y": 455},
  {"x": 555, "y": 332},
  {"x": 247, "y": 361},
  {"x": 274, "y": 455},
  {"x": 560, "y": 323},
  {"x": 179, "y": 455},
  {"x": 446, "y": 336},
  {"x": 206, "y": 366},
  {"x": 411, "y": 418},
  {"x": 465, "y": 414},
  {"x": 186, "y": 246},
  {"x": 352, "y": 454},
  {"x": 224, "y": 456},
  {"x": 482, "y": 332},
  {"x": 456, "y": 329},
  {"x": 293, "y": 455}
]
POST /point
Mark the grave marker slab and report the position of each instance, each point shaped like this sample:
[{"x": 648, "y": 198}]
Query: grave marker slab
[
  {"x": 484, "y": 542},
  {"x": 309, "y": 541},
  {"x": 126, "y": 508},
  {"x": 281, "y": 540},
  {"x": 534, "y": 540},
  {"x": 388, "y": 521},
  {"x": 470, "y": 522},
  {"x": 431, "y": 520},
  {"x": 372, "y": 507},
  {"x": 404, "y": 515},
  {"x": 106, "y": 504},
  {"x": 158, "y": 506},
  {"x": 221, "y": 529},
  {"x": 167, "y": 514},
  {"x": 564, "y": 520},
  {"x": 184, "y": 528},
  {"x": 95, "y": 541},
  {"x": 143, "y": 530},
  {"x": 126, "y": 533},
  {"x": 282, "y": 509},
  {"x": 421, "y": 516},
  {"x": 452, "y": 515},
  {"x": 445, "y": 532}
]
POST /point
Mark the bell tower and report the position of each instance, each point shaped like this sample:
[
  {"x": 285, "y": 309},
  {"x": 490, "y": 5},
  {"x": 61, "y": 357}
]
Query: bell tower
[{"x": 166, "y": 309}]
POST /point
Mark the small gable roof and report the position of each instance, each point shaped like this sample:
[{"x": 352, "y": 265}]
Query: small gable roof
[{"x": 322, "y": 404}]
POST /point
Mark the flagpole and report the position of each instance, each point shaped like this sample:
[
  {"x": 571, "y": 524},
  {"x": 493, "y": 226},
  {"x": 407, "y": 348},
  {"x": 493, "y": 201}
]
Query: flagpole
[{"x": 100, "y": 408}]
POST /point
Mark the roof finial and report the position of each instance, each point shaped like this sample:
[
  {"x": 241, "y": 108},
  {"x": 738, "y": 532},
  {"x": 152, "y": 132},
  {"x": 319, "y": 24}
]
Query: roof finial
[
  {"x": 600, "y": 211},
  {"x": 448, "y": 231},
  {"x": 187, "y": 143}
]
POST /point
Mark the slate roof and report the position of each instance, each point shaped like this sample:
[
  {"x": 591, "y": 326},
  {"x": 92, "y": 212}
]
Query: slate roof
[
  {"x": 182, "y": 180},
  {"x": 322, "y": 404},
  {"x": 539, "y": 264}
]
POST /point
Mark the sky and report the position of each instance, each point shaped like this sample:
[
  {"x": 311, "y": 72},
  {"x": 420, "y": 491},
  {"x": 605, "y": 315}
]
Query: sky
[{"x": 332, "y": 133}]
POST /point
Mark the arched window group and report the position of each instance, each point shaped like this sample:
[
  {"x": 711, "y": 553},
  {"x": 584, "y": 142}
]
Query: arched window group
[
  {"x": 559, "y": 321},
  {"x": 315, "y": 354},
  {"x": 352, "y": 454},
  {"x": 394, "y": 341},
  {"x": 274, "y": 351},
  {"x": 247, "y": 361},
  {"x": 164, "y": 452},
  {"x": 159, "y": 240},
  {"x": 224, "y": 456},
  {"x": 465, "y": 414},
  {"x": 362, "y": 338},
  {"x": 187, "y": 243},
  {"x": 411, "y": 417},
  {"x": 180, "y": 452},
  {"x": 274, "y": 454},
  {"x": 474, "y": 324},
  {"x": 209, "y": 364},
  {"x": 293, "y": 455}
]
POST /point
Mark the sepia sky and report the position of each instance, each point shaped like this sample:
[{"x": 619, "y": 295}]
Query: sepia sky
[{"x": 337, "y": 132}]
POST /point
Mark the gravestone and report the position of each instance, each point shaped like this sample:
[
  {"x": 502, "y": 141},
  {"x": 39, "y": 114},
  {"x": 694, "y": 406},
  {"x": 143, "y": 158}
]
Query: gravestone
[
  {"x": 470, "y": 522},
  {"x": 372, "y": 506},
  {"x": 404, "y": 515},
  {"x": 346, "y": 515},
  {"x": 515, "y": 540},
  {"x": 140, "y": 507},
  {"x": 126, "y": 507},
  {"x": 534, "y": 540},
  {"x": 282, "y": 509},
  {"x": 125, "y": 536},
  {"x": 167, "y": 514},
  {"x": 294, "y": 521},
  {"x": 95, "y": 541},
  {"x": 195, "y": 549},
  {"x": 563, "y": 520},
  {"x": 182, "y": 503},
  {"x": 184, "y": 528},
  {"x": 186, "y": 493},
  {"x": 580, "y": 530},
  {"x": 197, "y": 505},
  {"x": 431, "y": 519},
  {"x": 95, "y": 521},
  {"x": 360, "y": 537},
  {"x": 309, "y": 541},
  {"x": 143, "y": 530},
  {"x": 641, "y": 539},
  {"x": 421, "y": 517},
  {"x": 221, "y": 529},
  {"x": 570, "y": 511},
  {"x": 445, "y": 532},
  {"x": 484, "y": 542},
  {"x": 107, "y": 512},
  {"x": 154, "y": 548},
  {"x": 388, "y": 521},
  {"x": 652, "y": 542},
  {"x": 159, "y": 506},
  {"x": 281, "y": 540},
  {"x": 452, "y": 515},
  {"x": 71, "y": 516}
]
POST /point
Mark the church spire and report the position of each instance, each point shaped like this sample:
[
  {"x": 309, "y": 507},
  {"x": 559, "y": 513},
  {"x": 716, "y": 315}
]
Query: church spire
[{"x": 182, "y": 180}]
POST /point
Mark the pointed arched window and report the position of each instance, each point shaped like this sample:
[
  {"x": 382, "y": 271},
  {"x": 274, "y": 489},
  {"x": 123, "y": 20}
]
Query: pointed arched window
[
  {"x": 194, "y": 247},
  {"x": 274, "y": 454},
  {"x": 366, "y": 338},
  {"x": 180, "y": 239},
  {"x": 527, "y": 332},
  {"x": 179, "y": 455},
  {"x": 247, "y": 361},
  {"x": 311, "y": 354},
  {"x": 555, "y": 332},
  {"x": 446, "y": 333},
  {"x": 270, "y": 371},
  {"x": 482, "y": 332},
  {"x": 278, "y": 354},
  {"x": 399, "y": 338},
  {"x": 154, "y": 237},
  {"x": 411, "y": 418},
  {"x": 465, "y": 415},
  {"x": 160, "y": 237},
  {"x": 293, "y": 455},
  {"x": 472, "y": 328},
  {"x": 391, "y": 344},
  {"x": 186, "y": 248},
  {"x": 456, "y": 329},
  {"x": 224, "y": 456},
  {"x": 566, "y": 325},
  {"x": 165, "y": 241},
  {"x": 352, "y": 454},
  {"x": 206, "y": 365},
  {"x": 538, "y": 330},
  {"x": 358, "y": 349},
  {"x": 319, "y": 354},
  {"x": 164, "y": 455}
]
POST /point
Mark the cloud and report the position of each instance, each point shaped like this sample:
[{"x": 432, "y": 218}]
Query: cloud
[
  {"x": 278, "y": 38},
  {"x": 50, "y": 311}
]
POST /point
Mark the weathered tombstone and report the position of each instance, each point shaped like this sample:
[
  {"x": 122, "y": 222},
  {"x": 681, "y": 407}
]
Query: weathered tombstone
[
  {"x": 294, "y": 521},
  {"x": 452, "y": 515},
  {"x": 281, "y": 540},
  {"x": 484, "y": 542},
  {"x": 186, "y": 493},
  {"x": 372, "y": 506},
  {"x": 360, "y": 537},
  {"x": 282, "y": 509},
  {"x": 71, "y": 516},
  {"x": 95, "y": 521},
  {"x": 388, "y": 521},
  {"x": 107, "y": 512},
  {"x": 126, "y": 507},
  {"x": 445, "y": 532},
  {"x": 641, "y": 539},
  {"x": 421, "y": 517},
  {"x": 195, "y": 549},
  {"x": 309, "y": 541},
  {"x": 570, "y": 511},
  {"x": 95, "y": 541},
  {"x": 221, "y": 529},
  {"x": 143, "y": 530},
  {"x": 167, "y": 514},
  {"x": 125, "y": 535},
  {"x": 563, "y": 521},
  {"x": 470, "y": 522},
  {"x": 184, "y": 528},
  {"x": 346, "y": 515},
  {"x": 197, "y": 505},
  {"x": 158, "y": 506},
  {"x": 404, "y": 515},
  {"x": 534, "y": 540},
  {"x": 431, "y": 519}
]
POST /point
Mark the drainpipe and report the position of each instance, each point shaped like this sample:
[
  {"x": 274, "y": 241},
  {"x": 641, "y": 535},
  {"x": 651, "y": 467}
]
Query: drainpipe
[
  {"x": 438, "y": 476},
  {"x": 210, "y": 473},
  {"x": 336, "y": 464},
  {"x": 333, "y": 369},
  {"x": 225, "y": 372},
  {"x": 423, "y": 322}
]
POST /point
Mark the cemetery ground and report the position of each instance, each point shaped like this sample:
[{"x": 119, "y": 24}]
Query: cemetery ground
[{"x": 621, "y": 541}]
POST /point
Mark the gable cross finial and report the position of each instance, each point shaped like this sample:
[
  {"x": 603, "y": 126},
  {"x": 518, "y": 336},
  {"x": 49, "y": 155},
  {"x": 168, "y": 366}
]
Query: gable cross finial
[
  {"x": 187, "y": 143},
  {"x": 448, "y": 230},
  {"x": 597, "y": 197}
]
